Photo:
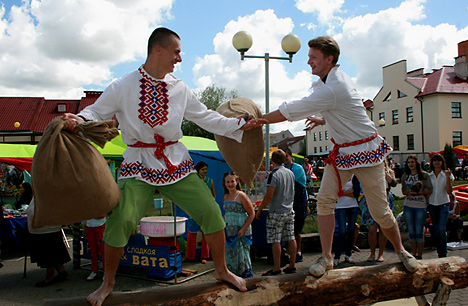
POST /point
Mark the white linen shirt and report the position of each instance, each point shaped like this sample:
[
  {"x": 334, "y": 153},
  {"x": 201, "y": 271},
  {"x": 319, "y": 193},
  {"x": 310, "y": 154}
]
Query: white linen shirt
[
  {"x": 346, "y": 119},
  {"x": 144, "y": 107},
  {"x": 439, "y": 193}
]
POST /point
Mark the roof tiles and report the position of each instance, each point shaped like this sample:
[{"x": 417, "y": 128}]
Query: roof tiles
[{"x": 35, "y": 113}]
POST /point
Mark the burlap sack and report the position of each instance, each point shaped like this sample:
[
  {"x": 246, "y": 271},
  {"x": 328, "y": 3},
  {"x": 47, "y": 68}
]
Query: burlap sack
[
  {"x": 70, "y": 178},
  {"x": 244, "y": 158}
]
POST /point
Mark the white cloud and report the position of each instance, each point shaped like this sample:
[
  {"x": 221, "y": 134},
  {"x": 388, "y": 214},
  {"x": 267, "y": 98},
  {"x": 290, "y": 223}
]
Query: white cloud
[
  {"x": 325, "y": 10},
  {"x": 54, "y": 44},
  {"x": 225, "y": 69},
  {"x": 373, "y": 41}
]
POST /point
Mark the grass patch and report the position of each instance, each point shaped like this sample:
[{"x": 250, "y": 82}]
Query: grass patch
[{"x": 310, "y": 225}]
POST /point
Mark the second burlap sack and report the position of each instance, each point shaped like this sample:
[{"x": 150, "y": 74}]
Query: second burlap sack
[
  {"x": 71, "y": 180},
  {"x": 244, "y": 158}
]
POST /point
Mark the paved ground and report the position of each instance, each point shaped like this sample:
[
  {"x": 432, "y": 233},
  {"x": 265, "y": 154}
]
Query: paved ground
[{"x": 17, "y": 290}]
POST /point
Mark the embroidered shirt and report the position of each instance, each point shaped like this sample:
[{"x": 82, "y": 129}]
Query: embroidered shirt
[
  {"x": 346, "y": 119},
  {"x": 145, "y": 106}
]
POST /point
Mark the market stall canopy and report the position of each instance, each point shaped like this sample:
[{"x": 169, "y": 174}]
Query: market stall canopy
[
  {"x": 298, "y": 159},
  {"x": 460, "y": 151},
  {"x": 20, "y": 155}
]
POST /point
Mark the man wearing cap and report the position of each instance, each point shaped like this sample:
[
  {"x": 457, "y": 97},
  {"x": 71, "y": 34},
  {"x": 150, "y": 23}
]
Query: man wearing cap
[
  {"x": 150, "y": 104},
  {"x": 358, "y": 149}
]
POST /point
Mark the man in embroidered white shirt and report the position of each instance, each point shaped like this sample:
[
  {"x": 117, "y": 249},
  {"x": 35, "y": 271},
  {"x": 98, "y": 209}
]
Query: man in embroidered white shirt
[
  {"x": 358, "y": 149},
  {"x": 150, "y": 104}
]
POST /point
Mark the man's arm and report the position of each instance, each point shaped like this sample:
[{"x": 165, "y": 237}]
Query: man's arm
[
  {"x": 266, "y": 200},
  {"x": 274, "y": 117}
]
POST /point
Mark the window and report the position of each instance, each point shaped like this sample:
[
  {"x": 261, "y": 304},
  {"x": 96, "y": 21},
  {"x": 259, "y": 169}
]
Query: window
[
  {"x": 315, "y": 136},
  {"x": 388, "y": 98},
  {"x": 457, "y": 138},
  {"x": 410, "y": 140},
  {"x": 396, "y": 143},
  {"x": 321, "y": 150},
  {"x": 326, "y": 135},
  {"x": 401, "y": 94},
  {"x": 62, "y": 108},
  {"x": 320, "y": 137},
  {"x": 395, "y": 116},
  {"x": 315, "y": 149},
  {"x": 382, "y": 119},
  {"x": 409, "y": 114},
  {"x": 456, "y": 110},
  {"x": 326, "y": 148}
]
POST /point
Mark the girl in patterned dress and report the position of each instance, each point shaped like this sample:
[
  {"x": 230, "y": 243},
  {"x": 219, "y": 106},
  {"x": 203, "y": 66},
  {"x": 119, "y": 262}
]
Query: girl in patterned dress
[{"x": 239, "y": 214}]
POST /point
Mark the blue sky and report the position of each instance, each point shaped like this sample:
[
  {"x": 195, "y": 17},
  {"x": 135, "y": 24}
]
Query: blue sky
[{"x": 58, "y": 48}]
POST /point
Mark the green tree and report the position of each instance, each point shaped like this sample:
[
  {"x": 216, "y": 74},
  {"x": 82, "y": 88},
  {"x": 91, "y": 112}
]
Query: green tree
[
  {"x": 303, "y": 147},
  {"x": 212, "y": 97},
  {"x": 449, "y": 158}
]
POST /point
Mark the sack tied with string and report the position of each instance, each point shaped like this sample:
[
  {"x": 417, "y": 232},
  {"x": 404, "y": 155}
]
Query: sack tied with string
[
  {"x": 244, "y": 158},
  {"x": 71, "y": 180}
]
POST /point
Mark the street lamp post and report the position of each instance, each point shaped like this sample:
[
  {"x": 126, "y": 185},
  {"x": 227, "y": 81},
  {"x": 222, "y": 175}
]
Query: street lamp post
[{"x": 242, "y": 41}]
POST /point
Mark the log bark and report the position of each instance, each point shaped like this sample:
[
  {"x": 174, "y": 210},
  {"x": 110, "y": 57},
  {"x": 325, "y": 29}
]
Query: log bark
[
  {"x": 349, "y": 286},
  {"x": 421, "y": 300},
  {"x": 443, "y": 292}
]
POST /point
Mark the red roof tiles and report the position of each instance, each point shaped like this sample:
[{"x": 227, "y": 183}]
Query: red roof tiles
[
  {"x": 443, "y": 80},
  {"x": 35, "y": 113}
]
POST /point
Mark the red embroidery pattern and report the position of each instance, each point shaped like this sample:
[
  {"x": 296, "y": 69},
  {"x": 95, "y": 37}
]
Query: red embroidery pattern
[
  {"x": 154, "y": 99},
  {"x": 157, "y": 176},
  {"x": 362, "y": 158}
]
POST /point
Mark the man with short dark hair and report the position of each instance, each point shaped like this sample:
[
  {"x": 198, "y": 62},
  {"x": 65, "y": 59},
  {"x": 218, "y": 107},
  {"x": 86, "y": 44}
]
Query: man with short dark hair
[
  {"x": 279, "y": 198},
  {"x": 358, "y": 149},
  {"x": 150, "y": 104}
]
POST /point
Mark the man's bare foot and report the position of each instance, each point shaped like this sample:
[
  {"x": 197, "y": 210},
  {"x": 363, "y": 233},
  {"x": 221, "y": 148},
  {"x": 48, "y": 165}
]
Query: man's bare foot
[
  {"x": 235, "y": 280},
  {"x": 97, "y": 297}
]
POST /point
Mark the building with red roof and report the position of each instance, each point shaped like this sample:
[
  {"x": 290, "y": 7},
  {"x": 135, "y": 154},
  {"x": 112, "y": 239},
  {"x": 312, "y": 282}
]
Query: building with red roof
[
  {"x": 24, "y": 119},
  {"x": 420, "y": 112}
]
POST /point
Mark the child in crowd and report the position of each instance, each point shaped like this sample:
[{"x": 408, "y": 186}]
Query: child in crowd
[
  {"x": 239, "y": 214},
  {"x": 94, "y": 233},
  {"x": 454, "y": 223},
  {"x": 193, "y": 227}
]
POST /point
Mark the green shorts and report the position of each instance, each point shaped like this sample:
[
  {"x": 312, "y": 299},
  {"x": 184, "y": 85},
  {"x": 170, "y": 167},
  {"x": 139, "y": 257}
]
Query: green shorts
[{"x": 191, "y": 194}]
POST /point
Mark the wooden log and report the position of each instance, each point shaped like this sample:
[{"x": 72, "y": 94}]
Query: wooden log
[
  {"x": 443, "y": 292},
  {"x": 421, "y": 300},
  {"x": 349, "y": 286}
]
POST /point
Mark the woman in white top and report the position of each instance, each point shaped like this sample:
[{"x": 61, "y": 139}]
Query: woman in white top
[{"x": 439, "y": 201}]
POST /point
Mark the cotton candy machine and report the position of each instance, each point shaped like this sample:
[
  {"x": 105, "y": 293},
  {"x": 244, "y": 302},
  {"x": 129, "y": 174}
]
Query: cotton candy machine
[{"x": 162, "y": 226}]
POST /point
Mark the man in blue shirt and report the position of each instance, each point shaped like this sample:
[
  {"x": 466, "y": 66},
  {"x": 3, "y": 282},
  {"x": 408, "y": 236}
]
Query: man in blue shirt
[{"x": 300, "y": 199}]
